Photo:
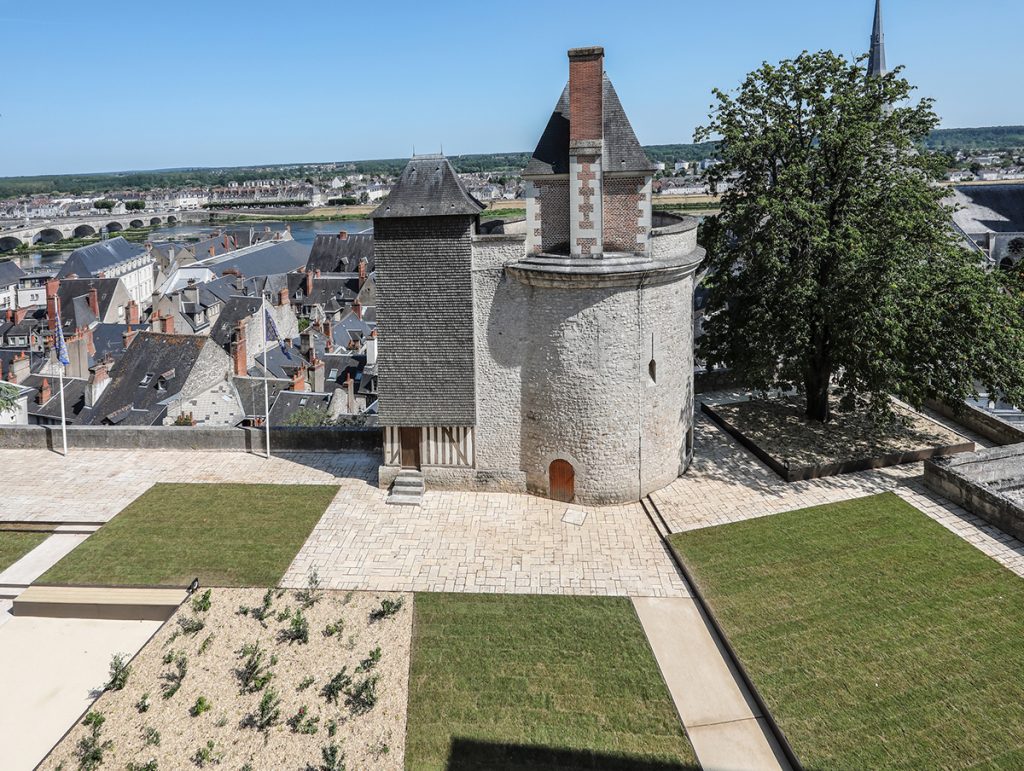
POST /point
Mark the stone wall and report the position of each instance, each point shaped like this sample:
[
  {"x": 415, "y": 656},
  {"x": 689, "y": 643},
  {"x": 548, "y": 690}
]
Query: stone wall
[
  {"x": 988, "y": 483},
  {"x": 980, "y": 421},
  {"x": 625, "y": 223},
  {"x": 299, "y": 439}
]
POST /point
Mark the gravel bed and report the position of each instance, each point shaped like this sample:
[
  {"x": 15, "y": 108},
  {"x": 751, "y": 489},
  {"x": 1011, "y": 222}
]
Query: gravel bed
[{"x": 374, "y": 738}]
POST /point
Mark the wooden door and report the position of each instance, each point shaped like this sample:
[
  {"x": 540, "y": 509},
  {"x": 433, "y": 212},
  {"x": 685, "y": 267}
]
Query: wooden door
[
  {"x": 562, "y": 481},
  {"x": 410, "y": 438}
]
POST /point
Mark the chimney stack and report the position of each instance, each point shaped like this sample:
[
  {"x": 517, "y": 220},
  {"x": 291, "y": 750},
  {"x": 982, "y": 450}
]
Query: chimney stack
[
  {"x": 18, "y": 369},
  {"x": 342, "y": 235},
  {"x": 238, "y": 354},
  {"x": 94, "y": 302},
  {"x": 309, "y": 283},
  {"x": 98, "y": 381},
  {"x": 586, "y": 147},
  {"x": 371, "y": 348},
  {"x": 317, "y": 372},
  {"x": 299, "y": 378},
  {"x": 169, "y": 324},
  {"x": 350, "y": 389},
  {"x": 357, "y": 308},
  {"x": 133, "y": 312},
  {"x": 282, "y": 296},
  {"x": 362, "y": 272},
  {"x": 129, "y": 335},
  {"x": 52, "y": 302},
  {"x": 44, "y": 394}
]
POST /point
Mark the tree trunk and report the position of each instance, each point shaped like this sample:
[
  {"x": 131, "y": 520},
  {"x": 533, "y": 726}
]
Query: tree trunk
[{"x": 816, "y": 384}]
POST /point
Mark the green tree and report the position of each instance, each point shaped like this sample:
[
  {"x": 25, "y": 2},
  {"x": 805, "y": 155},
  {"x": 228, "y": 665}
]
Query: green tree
[
  {"x": 103, "y": 203},
  {"x": 8, "y": 397},
  {"x": 832, "y": 264},
  {"x": 134, "y": 205}
]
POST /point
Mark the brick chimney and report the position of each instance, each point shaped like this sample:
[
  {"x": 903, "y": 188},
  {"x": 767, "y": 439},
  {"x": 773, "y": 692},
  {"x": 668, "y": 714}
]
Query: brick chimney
[
  {"x": 342, "y": 235},
  {"x": 133, "y": 312},
  {"x": 169, "y": 324},
  {"x": 238, "y": 354},
  {"x": 317, "y": 375},
  {"x": 52, "y": 302},
  {"x": 362, "y": 272},
  {"x": 99, "y": 379},
  {"x": 299, "y": 378},
  {"x": 282, "y": 296},
  {"x": 357, "y": 308},
  {"x": 94, "y": 301},
  {"x": 19, "y": 369},
  {"x": 44, "y": 394},
  {"x": 129, "y": 335},
  {"x": 586, "y": 145},
  {"x": 350, "y": 392},
  {"x": 20, "y": 314},
  {"x": 309, "y": 284}
]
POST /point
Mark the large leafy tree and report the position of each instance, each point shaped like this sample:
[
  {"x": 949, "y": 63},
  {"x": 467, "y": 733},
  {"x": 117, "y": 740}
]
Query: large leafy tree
[{"x": 833, "y": 264}]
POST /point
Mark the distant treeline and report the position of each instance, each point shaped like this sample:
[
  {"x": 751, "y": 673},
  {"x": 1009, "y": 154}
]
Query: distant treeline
[{"x": 990, "y": 138}]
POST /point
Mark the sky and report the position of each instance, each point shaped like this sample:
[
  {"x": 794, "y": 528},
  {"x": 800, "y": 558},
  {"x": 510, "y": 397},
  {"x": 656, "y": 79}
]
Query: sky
[{"x": 110, "y": 86}]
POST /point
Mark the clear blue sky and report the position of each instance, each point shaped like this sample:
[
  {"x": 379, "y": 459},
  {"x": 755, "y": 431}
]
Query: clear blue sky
[{"x": 104, "y": 86}]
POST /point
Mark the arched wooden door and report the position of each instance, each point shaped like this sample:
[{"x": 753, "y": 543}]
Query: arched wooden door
[{"x": 561, "y": 481}]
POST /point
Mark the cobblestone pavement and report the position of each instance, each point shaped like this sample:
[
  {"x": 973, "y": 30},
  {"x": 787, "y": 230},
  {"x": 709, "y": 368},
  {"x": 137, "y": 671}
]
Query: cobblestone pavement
[{"x": 728, "y": 484}]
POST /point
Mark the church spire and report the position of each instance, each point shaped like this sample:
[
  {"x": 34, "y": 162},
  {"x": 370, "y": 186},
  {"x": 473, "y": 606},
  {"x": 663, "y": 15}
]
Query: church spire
[{"x": 876, "y": 64}]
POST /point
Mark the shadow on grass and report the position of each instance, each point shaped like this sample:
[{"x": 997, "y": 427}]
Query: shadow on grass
[{"x": 474, "y": 755}]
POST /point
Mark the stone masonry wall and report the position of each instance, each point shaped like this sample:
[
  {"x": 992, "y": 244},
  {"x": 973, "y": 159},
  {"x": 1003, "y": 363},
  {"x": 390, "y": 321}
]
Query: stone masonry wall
[
  {"x": 625, "y": 229},
  {"x": 550, "y": 223}
]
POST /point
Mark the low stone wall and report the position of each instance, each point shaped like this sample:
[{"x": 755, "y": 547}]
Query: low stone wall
[
  {"x": 980, "y": 422},
  {"x": 298, "y": 439},
  {"x": 979, "y": 481}
]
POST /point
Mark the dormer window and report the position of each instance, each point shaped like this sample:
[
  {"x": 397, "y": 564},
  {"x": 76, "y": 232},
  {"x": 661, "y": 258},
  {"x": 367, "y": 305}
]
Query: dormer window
[{"x": 146, "y": 379}]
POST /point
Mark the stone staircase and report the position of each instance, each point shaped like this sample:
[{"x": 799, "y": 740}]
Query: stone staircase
[{"x": 407, "y": 489}]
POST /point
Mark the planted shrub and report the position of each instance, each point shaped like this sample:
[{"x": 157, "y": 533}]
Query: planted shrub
[
  {"x": 202, "y": 705},
  {"x": 362, "y": 697},
  {"x": 119, "y": 671},
  {"x": 305, "y": 683},
  {"x": 190, "y": 626},
  {"x": 313, "y": 592},
  {"x": 91, "y": 748},
  {"x": 208, "y": 755},
  {"x": 150, "y": 736},
  {"x": 370, "y": 661},
  {"x": 333, "y": 758},
  {"x": 302, "y": 723},
  {"x": 261, "y": 613},
  {"x": 332, "y": 727},
  {"x": 205, "y": 644},
  {"x": 150, "y": 765},
  {"x": 379, "y": 749},
  {"x": 337, "y": 686},
  {"x": 255, "y": 673},
  {"x": 285, "y": 614},
  {"x": 334, "y": 628},
  {"x": 172, "y": 680},
  {"x": 387, "y": 609},
  {"x": 269, "y": 711},
  {"x": 201, "y": 604},
  {"x": 297, "y": 630},
  {"x": 142, "y": 705}
]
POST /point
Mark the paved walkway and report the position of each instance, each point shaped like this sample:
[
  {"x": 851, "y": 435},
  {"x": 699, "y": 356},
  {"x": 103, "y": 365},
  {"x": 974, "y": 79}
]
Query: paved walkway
[{"x": 724, "y": 724}]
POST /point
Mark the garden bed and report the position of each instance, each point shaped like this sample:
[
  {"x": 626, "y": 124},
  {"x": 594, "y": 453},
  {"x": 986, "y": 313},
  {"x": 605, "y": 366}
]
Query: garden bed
[
  {"x": 877, "y": 638},
  {"x": 365, "y": 723},
  {"x": 796, "y": 448}
]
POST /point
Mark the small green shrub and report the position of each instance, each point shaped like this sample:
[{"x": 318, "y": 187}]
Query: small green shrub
[
  {"x": 387, "y": 609},
  {"x": 208, "y": 755},
  {"x": 142, "y": 705},
  {"x": 297, "y": 630},
  {"x": 285, "y": 614},
  {"x": 201, "y": 604},
  {"x": 255, "y": 672},
  {"x": 172, "y": 680},
  {"x": 370, "y": 661},
  {"x": 302, "y": 723},
  {"x": 150, "y": 765},
  {"x": 313, "y": 593},
  {"x": 119, "y": 671},
  {"x": 337, "y": 686},
  {"x": 379, "y": 749},
  {"x": 333, "y": 759},
  {"x": 363, "y": 696},
  {"x": 150, "y": 736},
  {"x": 190, "y": 626},
  {"x": 305, "y": 683},
  {"x": 332, "y": 727},
  {"x": 334, "y": 628},
  {"x": 202, "y": 705},
  {"x": 261, "y": 613},
  {"x": 91, "y": 748},
  {"x": 269, "y": 711},
  {"x": 205, "y": 644}
]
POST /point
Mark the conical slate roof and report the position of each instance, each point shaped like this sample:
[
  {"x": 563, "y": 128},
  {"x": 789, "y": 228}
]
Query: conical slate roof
[
  {"x": 428, "y": 187},
  {"x": 876, "y": 63},
  {"x": 622, "y": 151}
]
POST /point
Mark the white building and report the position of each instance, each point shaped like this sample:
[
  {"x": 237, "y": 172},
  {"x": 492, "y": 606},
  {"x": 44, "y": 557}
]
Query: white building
[{"x": 114, "y": 258}]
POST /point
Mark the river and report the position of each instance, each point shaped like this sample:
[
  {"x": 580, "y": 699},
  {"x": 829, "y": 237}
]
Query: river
[{"x": 303, "y": 232}]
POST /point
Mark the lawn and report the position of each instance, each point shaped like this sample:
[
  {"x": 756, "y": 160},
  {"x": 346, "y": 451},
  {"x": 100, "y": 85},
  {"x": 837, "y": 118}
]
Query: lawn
[
  {"x": 14, "y": 546},
  {"x": 877, "y": 637},
  {"x": 537, "y": 682},
  {"x": 226, "y": 534}
]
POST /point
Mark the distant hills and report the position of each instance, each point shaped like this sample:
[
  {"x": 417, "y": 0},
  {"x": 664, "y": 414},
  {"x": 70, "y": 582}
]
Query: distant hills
[{"x": 968, "y": 139}]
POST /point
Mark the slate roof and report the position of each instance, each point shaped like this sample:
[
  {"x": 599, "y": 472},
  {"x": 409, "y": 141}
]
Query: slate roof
[
  {"x": 134, "y": 396},
  {"x": 99, "y": 257},
  {"x": 10, "y": 272},
  {"x": 276, "y": 257},
  {"x": 74, "y": 294},
  {"x": 290, "y": 402},
  {"x": 990, "y": 208},
  {"x": 876, "y": 61},
  {"x": 428, "y": 187},
  {"x": 331, "y": 254},
  {"x": 74, "y": 397},
  {"x": 108, "y": 340},
  {"x": 622, "y": 150},
  {"x": 235, "y": 309},
  {"x": 250, "y": 393}
]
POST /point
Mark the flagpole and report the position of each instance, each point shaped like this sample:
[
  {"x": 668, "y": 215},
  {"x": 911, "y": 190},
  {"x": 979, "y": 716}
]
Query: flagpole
[
  {"x": 266, "y": 387},
  {"x": 63, "y": 418}
]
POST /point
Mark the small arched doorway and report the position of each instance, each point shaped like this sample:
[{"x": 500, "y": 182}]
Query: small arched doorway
[{"x": 561, "y": 481}]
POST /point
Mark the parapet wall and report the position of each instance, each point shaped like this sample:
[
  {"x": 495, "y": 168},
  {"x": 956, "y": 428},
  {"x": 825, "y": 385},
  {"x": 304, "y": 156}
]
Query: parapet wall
[
  {"x": 299, "y": 439},
  {"x": 988, "y": 425}
]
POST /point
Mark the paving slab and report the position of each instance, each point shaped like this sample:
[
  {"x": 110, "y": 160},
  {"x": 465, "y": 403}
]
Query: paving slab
[{"x": 54, "y": 666}]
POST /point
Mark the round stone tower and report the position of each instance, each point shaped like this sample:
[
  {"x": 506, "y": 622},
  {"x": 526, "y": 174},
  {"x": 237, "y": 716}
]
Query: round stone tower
[{"x": 607, "y": 375}]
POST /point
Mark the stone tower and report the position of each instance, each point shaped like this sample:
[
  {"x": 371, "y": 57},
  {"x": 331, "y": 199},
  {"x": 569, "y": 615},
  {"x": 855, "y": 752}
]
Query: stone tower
[{"x": 579, "y": 355}]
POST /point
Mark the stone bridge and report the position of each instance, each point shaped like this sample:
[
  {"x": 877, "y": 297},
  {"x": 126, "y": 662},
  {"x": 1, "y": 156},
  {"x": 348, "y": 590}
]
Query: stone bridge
[{"x": 52, "y": 231}]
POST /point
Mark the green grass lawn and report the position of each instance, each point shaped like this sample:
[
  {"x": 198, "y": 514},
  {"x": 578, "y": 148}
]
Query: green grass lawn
[
  {"x": 877, "y": 637},
  {"x": 226, "y": 534},
  {"x": 537, "y": 682},
  {"x": 14, "y": 546}
]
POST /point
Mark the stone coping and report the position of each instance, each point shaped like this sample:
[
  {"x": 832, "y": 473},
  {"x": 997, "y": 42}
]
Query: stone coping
[{"x": 610, "y": 269}]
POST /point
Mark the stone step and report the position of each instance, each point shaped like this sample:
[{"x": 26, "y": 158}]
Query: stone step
[
  {"x": 100, "y": 602},
  {"x": 10, "y": 591},
  {"x": 401, "y": 499},
  {"x": 409, "y": 483}
]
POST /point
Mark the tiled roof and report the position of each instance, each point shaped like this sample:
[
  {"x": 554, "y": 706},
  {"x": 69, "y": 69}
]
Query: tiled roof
[{"x": 428, "y": 187}]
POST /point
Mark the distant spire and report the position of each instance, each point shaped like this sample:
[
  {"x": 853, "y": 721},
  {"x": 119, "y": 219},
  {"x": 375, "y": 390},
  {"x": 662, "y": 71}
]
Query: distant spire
[{"x": 876, "y": 64}]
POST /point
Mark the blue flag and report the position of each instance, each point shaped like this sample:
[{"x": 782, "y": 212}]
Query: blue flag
[
  {"x": 59, "y": 345},
  {"x": 273, "y": 335}
]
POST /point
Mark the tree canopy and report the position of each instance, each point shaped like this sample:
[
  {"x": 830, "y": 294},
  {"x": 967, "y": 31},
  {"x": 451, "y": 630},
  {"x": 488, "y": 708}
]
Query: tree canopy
[{"x": 833, "y": 264}]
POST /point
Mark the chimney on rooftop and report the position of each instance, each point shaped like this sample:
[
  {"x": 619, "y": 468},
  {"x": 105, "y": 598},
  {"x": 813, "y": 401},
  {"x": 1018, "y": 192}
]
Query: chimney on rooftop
[
  {"x": 371, "y": 348},
  {"x": 299, "y": 378},
  {"x": 19, "y": 369},
  {"x": 20, "y": 314},
  {"x": 44, "y": 394},
  {"x": 94, "y": 302},
  {"x": 282, "y": 296},
  {"x": 586, "y": 147},
  {"x": 133, "y": 312},
  {"x": 52, "y": 302},
  {"x": 168, "y": 324},
  {"x": 362, "y": 272},
  {"x": 309, "y": 283},
  {"x": 238, "y": 354},
  {"x": 357, "y": 308},
  {"x": 128, "y": 335},
  {"x": 317, "y": 372},
  {"x": 342, "y": 235},
  {"x": 350, "y": 389},
  {"x": 98, "y": 381}
]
